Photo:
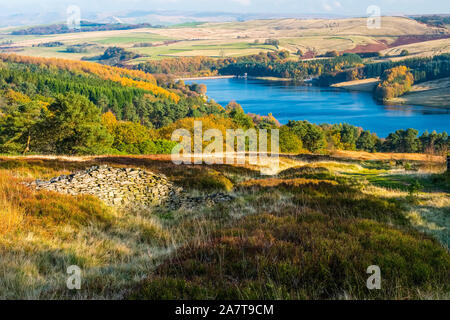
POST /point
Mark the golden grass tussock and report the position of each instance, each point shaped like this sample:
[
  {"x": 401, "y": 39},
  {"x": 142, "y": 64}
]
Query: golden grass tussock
[
  {"x": 42, "y": 233},
  {"x": 11, "y": 213},
  {"x": 22, "y": 206}
]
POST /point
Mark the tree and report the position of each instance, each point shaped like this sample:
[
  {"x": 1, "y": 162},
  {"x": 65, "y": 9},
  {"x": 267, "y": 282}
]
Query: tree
[
  {"x": 332, "y": 53},
  {"x": 272, "y": 42},
  {"x": 394, "y": 82},
  {"x": 366, "y": 141},
  {"x": 72, "y": 125},
  {"x": 283, "y": 54},
  {"x": 289, "y": 141},
  {"x": 18, "y": 129},
  {"x": 237, "y": 114},
  {"x": 202, "y": 89},
  {"x": 109, "y": 120},
  {"x": 434, "y": 142},
  {"x": 349, "y": 135},
  {"x": 402, "y": 141},
  {"x": 404, "y": 53},
  {"x": 312, "y": 136}
]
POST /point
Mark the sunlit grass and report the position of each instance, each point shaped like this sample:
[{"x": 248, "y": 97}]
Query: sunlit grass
[{"x": 307, "y": 233}]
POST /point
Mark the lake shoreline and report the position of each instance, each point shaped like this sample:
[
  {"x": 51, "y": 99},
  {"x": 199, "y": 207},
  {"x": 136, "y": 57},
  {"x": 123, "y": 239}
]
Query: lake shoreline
[
  {"x": 237, "y": 77},
  {"x": 324, "y": 105},
  {"x": 205, "y": 78}
]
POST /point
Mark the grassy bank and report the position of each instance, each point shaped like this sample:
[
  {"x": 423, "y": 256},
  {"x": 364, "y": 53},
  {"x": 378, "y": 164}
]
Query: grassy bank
[{"x": 434, "y": 93}]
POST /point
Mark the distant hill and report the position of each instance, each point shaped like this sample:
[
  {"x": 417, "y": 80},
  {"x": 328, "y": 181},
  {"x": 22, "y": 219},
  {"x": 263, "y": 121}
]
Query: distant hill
[
  {"x": 158, "y": 17},
  {"x": 85, "y": 26}
]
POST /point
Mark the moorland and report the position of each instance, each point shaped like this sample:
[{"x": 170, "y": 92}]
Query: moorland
[{"x": 341, "y": 200}]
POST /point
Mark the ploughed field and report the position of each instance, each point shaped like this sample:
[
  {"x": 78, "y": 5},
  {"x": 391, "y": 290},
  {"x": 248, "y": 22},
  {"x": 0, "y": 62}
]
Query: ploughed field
[{"x": 308, "y": 232}]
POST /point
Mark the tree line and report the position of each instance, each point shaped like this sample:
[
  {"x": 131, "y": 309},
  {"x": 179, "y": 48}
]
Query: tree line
[
  {"x": 422, "y": 69},
  {"x": 272, "y": 63}
]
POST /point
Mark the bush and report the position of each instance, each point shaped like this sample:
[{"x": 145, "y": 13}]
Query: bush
[{"x": 413, "y": 190}]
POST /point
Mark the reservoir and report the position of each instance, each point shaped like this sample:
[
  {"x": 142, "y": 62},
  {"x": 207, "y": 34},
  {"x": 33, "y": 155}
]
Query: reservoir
[{"x": 287, "y": 101}]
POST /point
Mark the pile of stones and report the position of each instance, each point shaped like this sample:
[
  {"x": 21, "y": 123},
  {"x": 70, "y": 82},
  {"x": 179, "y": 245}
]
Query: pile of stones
[
  {"x": 131, "y": 188},
  {"x": 117, "y": 187}
]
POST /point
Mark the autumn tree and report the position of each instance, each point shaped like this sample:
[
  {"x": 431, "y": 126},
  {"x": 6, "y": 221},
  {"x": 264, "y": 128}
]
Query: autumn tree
[{"x": 394, "y": 82}]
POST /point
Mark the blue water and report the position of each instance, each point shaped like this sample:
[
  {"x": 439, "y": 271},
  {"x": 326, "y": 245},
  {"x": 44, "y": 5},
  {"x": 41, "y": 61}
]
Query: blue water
[{"x": 287, "y": 101}]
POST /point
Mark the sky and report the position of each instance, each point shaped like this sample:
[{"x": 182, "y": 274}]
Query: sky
[{"x": 338, "y": 7}]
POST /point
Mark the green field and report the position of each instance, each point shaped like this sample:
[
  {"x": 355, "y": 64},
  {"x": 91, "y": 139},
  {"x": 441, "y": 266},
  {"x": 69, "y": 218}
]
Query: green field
[{"x": 128, "y": 40}]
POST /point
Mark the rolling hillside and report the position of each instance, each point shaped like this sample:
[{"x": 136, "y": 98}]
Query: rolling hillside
[{"x": 244, "y": 38}]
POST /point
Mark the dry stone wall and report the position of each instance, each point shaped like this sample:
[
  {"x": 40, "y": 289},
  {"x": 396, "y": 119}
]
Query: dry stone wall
[
  {"x": 128, "y": 187},
  {"x": 115, "y": 186}
]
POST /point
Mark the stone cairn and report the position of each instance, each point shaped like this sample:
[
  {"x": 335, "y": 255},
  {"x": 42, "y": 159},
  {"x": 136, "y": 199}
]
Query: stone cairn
[
  {"x": 131, "y": 188},
  {"x": 119, "y": 187}
]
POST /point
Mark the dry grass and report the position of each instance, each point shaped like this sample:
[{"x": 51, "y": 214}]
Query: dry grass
[
  {"x": 365, "y": 85},
  {"x": 434, "y": 93},
  {"x": 42, "y": 233},
  {"x": 429, "y": 214},
  {"x": 361, "y": 155},
  {"x": 274, "y": 182},
  {"x": 307, "y": 210},
  {"x": 421, "y": 49},
  {"x": 11, "y": 214}
]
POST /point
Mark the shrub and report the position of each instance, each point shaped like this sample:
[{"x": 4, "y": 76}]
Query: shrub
[
  {"x": 300, "y": 254},
  {"x": 413, "y": 190}
]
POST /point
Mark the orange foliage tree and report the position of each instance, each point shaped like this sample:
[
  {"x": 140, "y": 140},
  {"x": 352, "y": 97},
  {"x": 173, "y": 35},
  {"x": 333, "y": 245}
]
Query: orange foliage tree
[{"x": 394, "y": 82}]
